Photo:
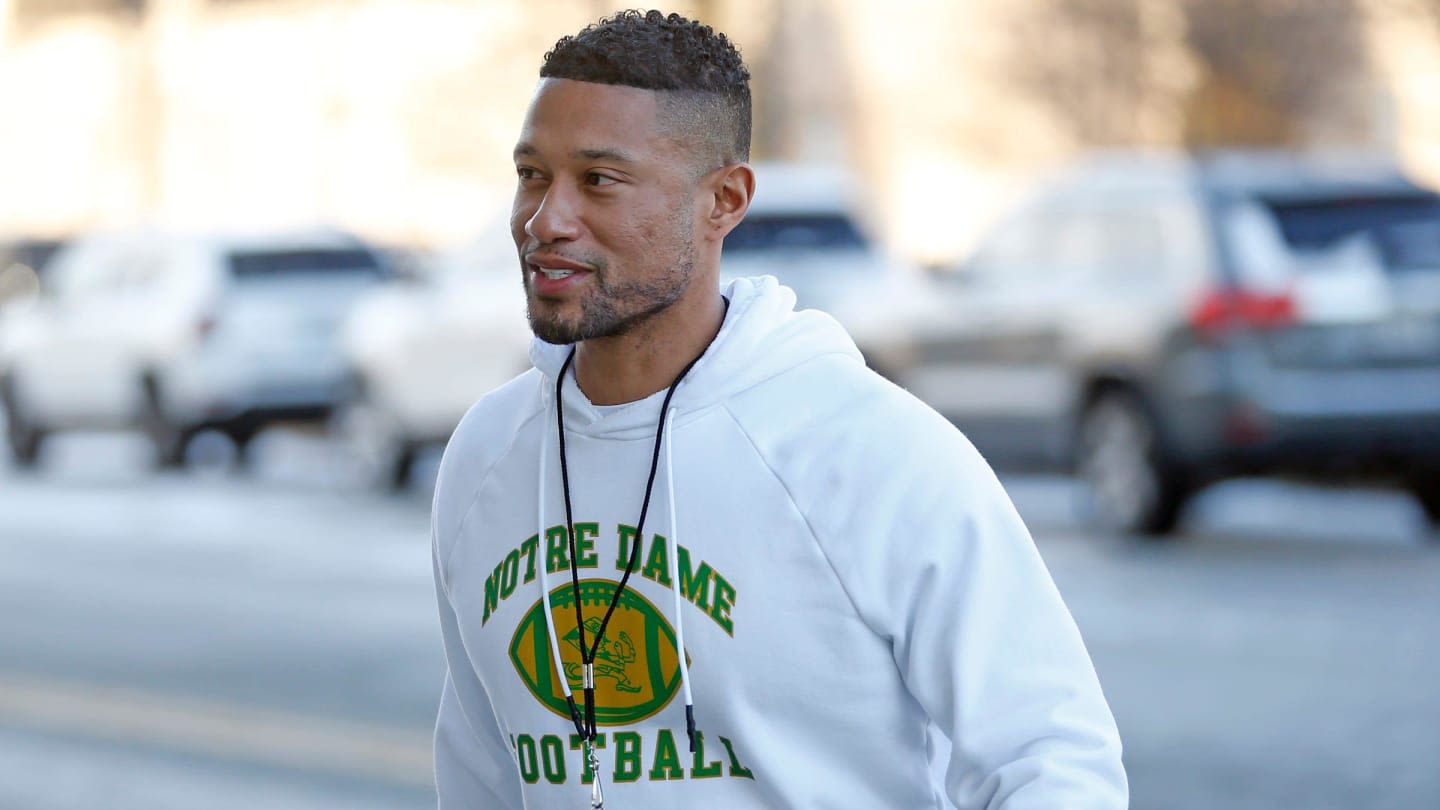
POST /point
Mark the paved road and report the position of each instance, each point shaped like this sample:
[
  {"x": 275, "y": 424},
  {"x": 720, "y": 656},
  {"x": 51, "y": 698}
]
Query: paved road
[{"x": 267, "y": 640}]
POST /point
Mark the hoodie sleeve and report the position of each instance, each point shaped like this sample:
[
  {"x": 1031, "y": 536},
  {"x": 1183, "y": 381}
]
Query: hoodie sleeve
[
  {"x": 473, "y": 767},
  {"x": 990, "y": 651},
  {"x": 937, "y": 561}
]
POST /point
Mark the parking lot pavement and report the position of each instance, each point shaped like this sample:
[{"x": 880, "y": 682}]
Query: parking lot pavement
[
  {"x": 44, "y": 771},
  {"x": 1282, "y": 653}
]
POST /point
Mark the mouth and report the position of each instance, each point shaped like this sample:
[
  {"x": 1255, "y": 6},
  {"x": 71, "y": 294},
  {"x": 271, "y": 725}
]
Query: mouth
[{"x": 551, "y": 274}]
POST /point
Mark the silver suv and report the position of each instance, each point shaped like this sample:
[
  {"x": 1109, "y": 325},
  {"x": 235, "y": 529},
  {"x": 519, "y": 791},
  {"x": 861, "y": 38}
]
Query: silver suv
[{"x": 1158, "y": 323}]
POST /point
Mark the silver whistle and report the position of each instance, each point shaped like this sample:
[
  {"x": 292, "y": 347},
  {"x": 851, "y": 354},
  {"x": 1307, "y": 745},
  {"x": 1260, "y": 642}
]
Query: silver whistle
[{"x": 597, "y": 796}]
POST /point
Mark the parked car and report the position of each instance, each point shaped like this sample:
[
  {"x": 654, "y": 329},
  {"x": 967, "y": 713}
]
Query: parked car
[
  {"x": 803, "y": 228},
  {"x": 422, "y": 352},
  {"x": 176, "y": 333},
  {"x": 1160, "y": 322}
]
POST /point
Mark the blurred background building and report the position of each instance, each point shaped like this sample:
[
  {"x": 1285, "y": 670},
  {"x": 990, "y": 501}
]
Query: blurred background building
[{"x": 394, "y": 118}]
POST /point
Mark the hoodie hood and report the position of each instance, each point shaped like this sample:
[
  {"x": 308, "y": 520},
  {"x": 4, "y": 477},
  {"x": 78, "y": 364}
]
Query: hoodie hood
[{"x": 762, "y": 336}]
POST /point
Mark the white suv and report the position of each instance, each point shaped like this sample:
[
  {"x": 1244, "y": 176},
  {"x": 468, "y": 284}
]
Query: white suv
[
  {"x": 422, "y": 352},
  {"x": 802, "y": 229},
  {"x": 177, "y": 333}
]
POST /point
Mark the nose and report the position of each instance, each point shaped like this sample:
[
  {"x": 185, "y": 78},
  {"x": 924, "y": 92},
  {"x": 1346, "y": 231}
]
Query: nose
[{"x": 556, "y": 218}]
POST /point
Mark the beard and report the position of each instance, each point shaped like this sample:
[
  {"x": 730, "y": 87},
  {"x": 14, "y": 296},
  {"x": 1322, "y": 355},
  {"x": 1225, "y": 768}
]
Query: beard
[{"x": 612, "y": 308}]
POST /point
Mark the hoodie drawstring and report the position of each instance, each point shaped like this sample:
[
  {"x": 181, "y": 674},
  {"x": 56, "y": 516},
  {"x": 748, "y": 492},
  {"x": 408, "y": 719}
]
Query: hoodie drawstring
[
  {"x": 673, "y": 556},
  {"x": 545, "y": 587}
]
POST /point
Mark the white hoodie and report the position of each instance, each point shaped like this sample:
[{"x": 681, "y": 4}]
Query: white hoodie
[{"x": 852, "y": 580}]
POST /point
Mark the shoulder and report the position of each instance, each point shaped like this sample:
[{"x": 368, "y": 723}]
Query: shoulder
[
  {"x": 861, "y": 456},
  {"x": 835, "y": 406},
  {"x": 481, "y": 440}
]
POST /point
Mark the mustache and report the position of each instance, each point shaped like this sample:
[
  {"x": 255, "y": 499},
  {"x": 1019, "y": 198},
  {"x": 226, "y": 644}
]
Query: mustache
[{"x": 551, "y": 252}]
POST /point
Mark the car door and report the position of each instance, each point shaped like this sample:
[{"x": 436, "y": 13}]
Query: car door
[
  {"x": 994, "y": 366},
  {"x": 67, "y": 370}
]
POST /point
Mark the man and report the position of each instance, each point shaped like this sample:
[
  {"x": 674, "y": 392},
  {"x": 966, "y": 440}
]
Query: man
[{"x": 700, "y": 555}]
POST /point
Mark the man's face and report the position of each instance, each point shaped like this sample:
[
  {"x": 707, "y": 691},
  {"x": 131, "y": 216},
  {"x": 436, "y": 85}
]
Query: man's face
[{"x": 605, "y": 211}]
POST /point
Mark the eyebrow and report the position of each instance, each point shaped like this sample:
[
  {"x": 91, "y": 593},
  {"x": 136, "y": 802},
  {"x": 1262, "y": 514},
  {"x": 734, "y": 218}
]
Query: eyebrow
[
  {"x": 529, "y": 150},
  {"x": 603, "y": 154}
]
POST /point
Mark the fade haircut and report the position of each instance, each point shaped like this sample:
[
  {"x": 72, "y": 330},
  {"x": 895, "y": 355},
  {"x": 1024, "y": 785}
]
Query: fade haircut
[{"x": 704, "y": 85}]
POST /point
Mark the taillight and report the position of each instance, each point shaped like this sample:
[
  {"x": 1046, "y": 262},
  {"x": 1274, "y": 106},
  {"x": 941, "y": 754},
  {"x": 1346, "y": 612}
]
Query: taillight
[
  {"x": 1222, "y": 310},
  {"x": 206, "y": 326}
]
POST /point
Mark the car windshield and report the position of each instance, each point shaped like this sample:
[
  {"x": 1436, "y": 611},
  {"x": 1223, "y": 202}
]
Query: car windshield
[
  {"x": 286, "y": 263},
  {"x": 801, "y": 232},
  {"x": 1404, "y": 229}
]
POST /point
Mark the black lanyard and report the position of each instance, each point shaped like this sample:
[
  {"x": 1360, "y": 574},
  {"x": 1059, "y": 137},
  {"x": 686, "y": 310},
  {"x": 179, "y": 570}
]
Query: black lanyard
[{"x": 586, "y": 727}]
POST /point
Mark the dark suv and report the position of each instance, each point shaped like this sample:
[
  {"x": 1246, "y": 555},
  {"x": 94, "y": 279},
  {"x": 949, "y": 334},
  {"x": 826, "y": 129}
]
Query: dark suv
[{"x": 1158, "y": 323}]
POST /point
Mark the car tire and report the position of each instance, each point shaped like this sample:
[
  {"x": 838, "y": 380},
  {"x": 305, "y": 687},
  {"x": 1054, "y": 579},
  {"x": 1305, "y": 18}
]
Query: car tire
[
  {"x": 23, "y": 435},
  {"x": 1426, "y": 489},
  {"x": 243, "y": 439},
  {"x": 379, "y": 458},
  {"x": 401, "y": 465},
  {"x": 1133, "y": 486},
  {"x": 171, "y": 441}
]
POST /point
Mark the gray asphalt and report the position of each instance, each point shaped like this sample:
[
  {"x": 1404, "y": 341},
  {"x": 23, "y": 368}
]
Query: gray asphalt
[{"x": 267, "y": 639}]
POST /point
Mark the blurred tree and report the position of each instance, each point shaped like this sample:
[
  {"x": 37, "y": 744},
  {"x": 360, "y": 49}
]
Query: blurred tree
[
  {"x": 1269, "y": 71},
  {"x": 27, "y": 10},
  {"x": 803, "y": 88},
  {"x": 1100, "y": 67},
  {"x": 1428, "y": 10},
  {"x": 1254, "y": 72}
]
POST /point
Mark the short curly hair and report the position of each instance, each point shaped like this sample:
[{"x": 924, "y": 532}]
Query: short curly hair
[{"x": 695, "y": 66}]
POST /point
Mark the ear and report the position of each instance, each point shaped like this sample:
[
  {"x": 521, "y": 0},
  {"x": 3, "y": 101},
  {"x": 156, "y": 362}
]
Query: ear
[{"x": 732, "y": 187}]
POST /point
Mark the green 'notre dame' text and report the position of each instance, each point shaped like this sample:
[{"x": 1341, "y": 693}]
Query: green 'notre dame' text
[{"x": 700, "y": 584}]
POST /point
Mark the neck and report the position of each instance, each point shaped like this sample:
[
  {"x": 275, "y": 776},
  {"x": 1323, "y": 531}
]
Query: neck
[{"x": 630, "y": 367}]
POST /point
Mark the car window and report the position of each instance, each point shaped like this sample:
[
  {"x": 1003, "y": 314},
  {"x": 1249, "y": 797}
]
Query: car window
[
  {"x": 1258, "y": 249},
  {"x": 1411, "y": 246},
  {"x": 1403, "y": 229},
  {"x": 261, "y": 264},
  {"x": 761, "y": 232}
]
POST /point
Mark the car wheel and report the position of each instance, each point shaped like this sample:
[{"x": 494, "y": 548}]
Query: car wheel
[
  {"x": 242, "y": 438},
  {"x": 373, "y": 451},
  {"x": 401, "y": 465},
  {"x": 169, "y": 440},
  {"x": 1133, "y": 489},
  {"x": 23, "y": 435},
  {"x": 1426, "y": 489}
]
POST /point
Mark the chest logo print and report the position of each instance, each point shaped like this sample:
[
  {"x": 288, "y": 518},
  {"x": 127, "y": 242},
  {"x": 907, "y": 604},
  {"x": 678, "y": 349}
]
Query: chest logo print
[{"x": 636, "y": 671}]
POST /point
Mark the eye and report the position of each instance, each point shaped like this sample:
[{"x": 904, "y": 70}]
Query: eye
[
  {"x": 526, "y": 173},
  {"x": 598, "y": 179}
]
